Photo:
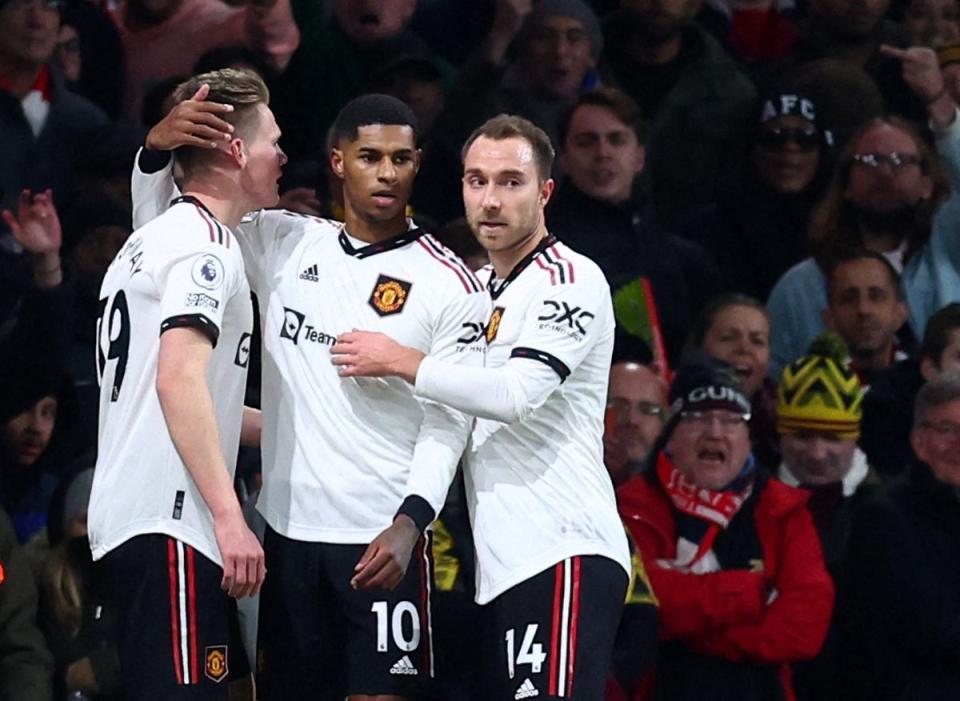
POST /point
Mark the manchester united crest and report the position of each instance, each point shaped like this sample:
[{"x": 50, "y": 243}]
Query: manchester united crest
[
  {"x": 389, "y": 295},
  {"x": 494, "y": 324},
  {"x": 216, "y": 663}
]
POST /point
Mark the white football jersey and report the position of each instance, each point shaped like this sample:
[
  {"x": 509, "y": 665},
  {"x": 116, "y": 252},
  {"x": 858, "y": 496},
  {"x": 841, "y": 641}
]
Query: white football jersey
[
  {"x": 340, "y": 454},
  {"x": 537, "y": 489},
  {"x": 183, "y": 268}
]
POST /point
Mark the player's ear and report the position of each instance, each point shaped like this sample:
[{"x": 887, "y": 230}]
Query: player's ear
[
  {"x": 237, "y": 151},
  {"x": 417, "y": 160},
  {"x": 546, "y": 190},
  {"x": 336, "y": 162}
]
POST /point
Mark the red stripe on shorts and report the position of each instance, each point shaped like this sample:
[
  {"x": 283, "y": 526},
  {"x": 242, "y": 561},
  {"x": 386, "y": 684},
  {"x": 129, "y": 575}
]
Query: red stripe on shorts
[{"x": 174, "y": 619}]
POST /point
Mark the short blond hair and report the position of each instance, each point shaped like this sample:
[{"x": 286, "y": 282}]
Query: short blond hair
[{"x": 241, "y": 88}]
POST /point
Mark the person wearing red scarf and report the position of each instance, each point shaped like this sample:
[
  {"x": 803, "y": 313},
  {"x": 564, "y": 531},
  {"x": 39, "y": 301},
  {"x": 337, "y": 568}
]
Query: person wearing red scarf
[{"x": 731, "y": 553}]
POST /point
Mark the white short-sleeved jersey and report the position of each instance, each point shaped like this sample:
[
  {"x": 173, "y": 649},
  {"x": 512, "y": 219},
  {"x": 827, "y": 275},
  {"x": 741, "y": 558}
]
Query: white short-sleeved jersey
[
  {"x": 340, "y": 454},
  {"x": 338, "y": 451},
  {"x": 537, "y": 489},
  {"x": 183, "y": 268}
]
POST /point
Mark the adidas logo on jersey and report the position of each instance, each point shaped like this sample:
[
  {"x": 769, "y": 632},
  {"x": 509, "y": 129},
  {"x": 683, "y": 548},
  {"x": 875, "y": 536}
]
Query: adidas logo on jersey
[
  {"x": 403, "y": 666},
  {"x": 527, "y": 690},
  {"x": 311, "y": 274}
]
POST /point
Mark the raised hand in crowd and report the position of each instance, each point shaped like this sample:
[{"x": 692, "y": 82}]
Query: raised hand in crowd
[
  {"x": 921, "y": 71},
  {"x": 36, "y": 227},
  {"x": 507, "y": 21}
]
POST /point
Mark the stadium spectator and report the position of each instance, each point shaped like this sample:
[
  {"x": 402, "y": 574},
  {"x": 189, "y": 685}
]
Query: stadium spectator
[
  {"x": 819, "y": 403},
  {"x": 36, "y": 414},
  {"x": 932, "y": 23},
  {"x": 760, "y": 232},
  {"x": 78, "y": 624},
  {"x": 732, "y": 554},
  {"x": 865, "y": 307},
  {"x": 892, "y": 204},
  {"x": 854, "y": 32},
  {"x": 735, "y": 328},
  {"x": 888, "y": 405},
  {"x": 697, "y": 100},
  {"x": 948, "y": 57},
  {"x": 636, "y": 414},
  {"x": 338, "y": 53},
  {"x": 41, "y": 122},
  {"x": 598, "y": 211},
  {"x": 26, "y": 666},
  {"x": 90, "y": 53},
  {"x": 165, "y": 38},
  {"x": 534, "y": 62},
  {"x": 902, "y": 563}
]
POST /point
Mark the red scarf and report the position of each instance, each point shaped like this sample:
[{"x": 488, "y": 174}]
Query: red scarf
[
  {"x": 716, "y": 508},
  {"x": 42, "y": 84}
]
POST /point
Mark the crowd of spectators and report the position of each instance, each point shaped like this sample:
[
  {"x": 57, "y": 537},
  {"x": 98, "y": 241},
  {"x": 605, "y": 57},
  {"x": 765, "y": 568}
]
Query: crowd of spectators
[{"x": 770, "y": 187}]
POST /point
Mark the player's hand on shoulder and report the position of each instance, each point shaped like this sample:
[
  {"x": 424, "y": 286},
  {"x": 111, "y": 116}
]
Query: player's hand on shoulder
[
  {"x": 385, "y": 561},
  {"x": 244, "y": 567},
  {"x": 193, "y": 122}
]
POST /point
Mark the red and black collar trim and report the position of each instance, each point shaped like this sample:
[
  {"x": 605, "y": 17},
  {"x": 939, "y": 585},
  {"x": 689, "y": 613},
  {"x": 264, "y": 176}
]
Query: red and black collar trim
[
  {"x": 497, "y": 290},
  {"x": 401, "y": 239}
]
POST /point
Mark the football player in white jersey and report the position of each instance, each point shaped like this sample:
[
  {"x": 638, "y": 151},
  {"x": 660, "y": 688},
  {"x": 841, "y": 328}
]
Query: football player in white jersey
[
  {"x": 350, "y": 461},
  {"x": 552, "y": 558},
  {"x": 172, "y": 345}
]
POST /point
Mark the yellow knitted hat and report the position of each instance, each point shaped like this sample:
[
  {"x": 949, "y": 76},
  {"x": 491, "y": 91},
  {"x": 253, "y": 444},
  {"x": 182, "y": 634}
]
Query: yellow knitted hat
[{"x": 819, "y": 392}]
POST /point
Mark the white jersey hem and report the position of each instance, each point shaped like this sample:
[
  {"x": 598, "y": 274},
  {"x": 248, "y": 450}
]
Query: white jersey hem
[
  {"x": 313, "y": 534},
  {"x": 486, "y": 594},
  {"x": 189, "y": 536}
]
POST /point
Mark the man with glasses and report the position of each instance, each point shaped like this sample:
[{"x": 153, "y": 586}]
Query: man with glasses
[
  {"x": 732, "y": 554},
  {"x": 891, "y": 196},
  {"x": 636, "y": 413},
  {"x": 902, "y": 564},
  {"x": 41, "y": 122}
]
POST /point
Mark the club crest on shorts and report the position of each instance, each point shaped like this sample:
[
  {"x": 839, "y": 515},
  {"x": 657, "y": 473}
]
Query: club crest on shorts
[
  {"x": 389, "y": 295},
  {"x": 216, "y": 667},
  {"x": 494, "y": 324}
]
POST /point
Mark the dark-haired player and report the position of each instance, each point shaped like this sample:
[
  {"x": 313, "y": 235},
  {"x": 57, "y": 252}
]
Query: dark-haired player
[
  {"x": 344, "y": 457},
  {"x": 175, "y": 317},
  {"x": 552, "y": 558}
]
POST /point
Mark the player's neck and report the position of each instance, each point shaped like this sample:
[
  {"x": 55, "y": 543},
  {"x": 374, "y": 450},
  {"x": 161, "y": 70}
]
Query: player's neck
[
  {"x": 506, "y": 260},
  {"x": 372, "y": 231},
  {"x": 228, "y": 210}
]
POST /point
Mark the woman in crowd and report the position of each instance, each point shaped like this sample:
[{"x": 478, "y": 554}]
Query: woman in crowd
[{"x": 735, "y": 328}]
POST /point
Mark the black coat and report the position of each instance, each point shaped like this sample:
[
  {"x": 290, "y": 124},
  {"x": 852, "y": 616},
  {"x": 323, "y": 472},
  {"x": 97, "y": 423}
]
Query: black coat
[
  {"x": 625, "y": 243},
  {"x": 888, "y": 417},
  {"x": 901, "y": 592}
]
